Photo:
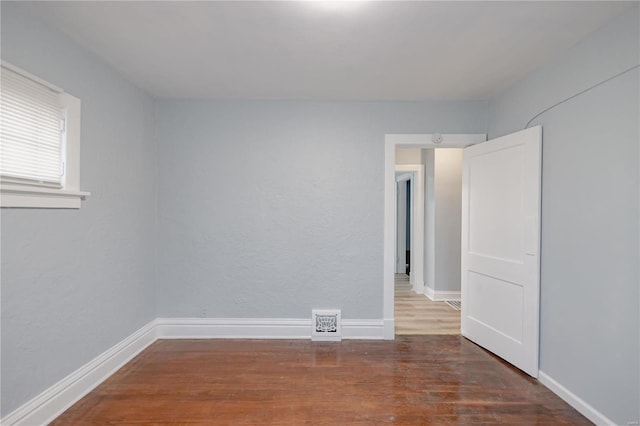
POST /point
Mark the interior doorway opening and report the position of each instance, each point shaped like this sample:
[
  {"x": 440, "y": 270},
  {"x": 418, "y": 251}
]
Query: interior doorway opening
[
  {"x": 409, "y": 226},
  {"x": 500, "y": 244},
  {"x": 416, "y": 279},
  {"x": 428, "y": 302},
  {"x": 403, "y": 224}
]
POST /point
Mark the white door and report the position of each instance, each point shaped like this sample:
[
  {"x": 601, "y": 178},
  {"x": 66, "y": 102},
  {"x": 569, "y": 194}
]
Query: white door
[{"x": 501, "y": 182}]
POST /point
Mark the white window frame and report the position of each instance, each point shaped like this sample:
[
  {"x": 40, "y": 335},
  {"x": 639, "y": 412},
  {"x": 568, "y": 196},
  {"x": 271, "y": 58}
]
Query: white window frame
[{"x": 69, "y": 195}]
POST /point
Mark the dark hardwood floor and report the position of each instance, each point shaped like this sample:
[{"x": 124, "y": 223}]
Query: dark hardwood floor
[{"x": 414, "y": 380}]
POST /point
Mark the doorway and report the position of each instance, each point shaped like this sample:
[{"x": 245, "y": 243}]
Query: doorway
[
  {"x": 403, "y": 224},
  {"x": 425, "y": 305},
  {"x": 410, "y": 203},
  {"x": 390, "y": 243},
  {"x": 500, "y": 244}
]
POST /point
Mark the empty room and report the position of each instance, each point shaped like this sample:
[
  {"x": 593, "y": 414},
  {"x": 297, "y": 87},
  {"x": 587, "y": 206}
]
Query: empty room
[{"x": 207, "y": 209}]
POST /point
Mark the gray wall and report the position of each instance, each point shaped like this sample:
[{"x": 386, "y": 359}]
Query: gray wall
[
  {"x": 443, "y": 218},
  {"x": 448, "y": 217},
  {"x": 408, "y": 155},
  {"x": 428, "y": 158},
  {"x": 270, "y": 209},
  {"x": 590, "y": 325},
  {"x": 75, "y": 282}
]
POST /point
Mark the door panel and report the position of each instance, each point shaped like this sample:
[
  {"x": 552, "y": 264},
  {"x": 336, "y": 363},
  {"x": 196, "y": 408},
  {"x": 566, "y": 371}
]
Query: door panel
[
  {"x": 507, "y": 320},
  {"x": 500, "y": 246},
  {"x": 500, "y": 169}
]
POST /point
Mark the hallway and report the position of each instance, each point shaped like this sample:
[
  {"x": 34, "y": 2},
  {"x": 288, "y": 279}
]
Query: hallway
[{"x": 416, "y": 314}]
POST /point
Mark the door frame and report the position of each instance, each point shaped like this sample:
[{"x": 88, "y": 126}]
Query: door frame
[
  {"x": 391, "y": 142},
  {"x": 415, "y": 174}
]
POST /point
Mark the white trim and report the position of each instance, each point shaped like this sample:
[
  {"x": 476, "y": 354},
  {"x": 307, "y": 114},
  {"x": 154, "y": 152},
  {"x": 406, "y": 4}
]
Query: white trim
[
  {"x": 363, "y": 329},
  {"x": 424, "y": 140},
  {"x": 71, "y": 177},
  {"x": 48, "y": 405},
  {"x": 403, "y": 177},
  {"x": 574, "y": 400},
  {"x": 391, "y": 142},
  {"x": 32, "y": 196},
  {"x": 30, "y": 76},
  {"x": 259, "y": 328},
  {"x": 429, "y": 292},
  {"x": 401, "y": 226},
  {"x": 389, "y": 328},
  {"x": 441, "y": 296},
  {"x": 233, "y": 328}
]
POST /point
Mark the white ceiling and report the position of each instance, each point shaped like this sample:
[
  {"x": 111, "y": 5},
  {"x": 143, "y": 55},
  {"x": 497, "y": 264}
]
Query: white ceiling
[{"x": 375, "y": 50}]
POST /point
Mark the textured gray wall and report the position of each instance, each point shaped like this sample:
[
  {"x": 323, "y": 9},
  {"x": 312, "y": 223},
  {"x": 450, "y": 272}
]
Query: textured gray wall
[
  {"x": 428, "y": 158},
  {"x": 442, "y": 217},
  {"x": 270, "y": 209},
  {"x": 448, "y": 218},
  {"x": 590, "y": 325},
  {"x": 75, "y": 282}
]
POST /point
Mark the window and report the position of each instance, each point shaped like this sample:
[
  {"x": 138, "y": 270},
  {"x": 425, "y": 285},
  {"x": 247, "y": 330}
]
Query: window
[{"x": 39, "y": 143}]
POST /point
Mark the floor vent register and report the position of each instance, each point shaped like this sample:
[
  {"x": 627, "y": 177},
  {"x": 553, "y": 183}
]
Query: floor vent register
[{"x": 326, "y": 325}]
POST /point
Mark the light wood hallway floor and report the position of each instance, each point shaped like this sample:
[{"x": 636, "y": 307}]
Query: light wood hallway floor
[{"x": 417, "y": 314}]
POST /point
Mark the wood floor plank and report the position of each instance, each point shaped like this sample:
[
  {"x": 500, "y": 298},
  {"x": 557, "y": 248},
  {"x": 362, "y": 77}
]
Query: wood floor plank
[
  {"x": 416, "y": 314},
  {"x": 414, "y": 380}
]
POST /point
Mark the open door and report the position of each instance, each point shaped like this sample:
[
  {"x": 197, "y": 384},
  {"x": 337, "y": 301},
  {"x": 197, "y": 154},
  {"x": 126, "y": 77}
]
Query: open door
[{"x": 501, "y": 182}]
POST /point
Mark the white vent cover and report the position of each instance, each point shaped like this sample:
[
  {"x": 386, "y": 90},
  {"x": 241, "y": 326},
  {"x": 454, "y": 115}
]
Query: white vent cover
[
  {"x": 326, "y": 325},
  {"x": 455, "y": 304}
]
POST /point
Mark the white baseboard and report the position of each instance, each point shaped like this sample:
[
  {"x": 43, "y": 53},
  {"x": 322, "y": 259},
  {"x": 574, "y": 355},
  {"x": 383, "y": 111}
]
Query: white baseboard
[
  {"x": 45, "y": 407},
  {"x": 418, "y": 287},
  {"x": 575, "y": 401},
  {"x": 389, "y": 329},
  {"x": 439, "y": 296},
  {"x": 233, "y": 328},
  {"x": 363, "y": 329},
  {"x": 429, "y": 292},
  {"x": 259, "y": 328}
]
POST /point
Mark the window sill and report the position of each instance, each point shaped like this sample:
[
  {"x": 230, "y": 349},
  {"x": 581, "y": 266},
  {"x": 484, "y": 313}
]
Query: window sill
[{"x": 43, "y": 198}]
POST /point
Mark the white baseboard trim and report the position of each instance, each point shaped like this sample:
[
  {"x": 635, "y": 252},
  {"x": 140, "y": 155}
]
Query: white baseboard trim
[
  {"x": 259, "y": 328},
  {"x": 429, "y": 292},
  {"x": 389, "y": 329},
  {"x": 439, "y": 296},
  {"x": 575, "y": 401},
  {"x": 48, "y": 405},
  {"x": 363, "y": 329},
  {"x": 418, "y": 287},
  {"x": 233, "y": 328}
]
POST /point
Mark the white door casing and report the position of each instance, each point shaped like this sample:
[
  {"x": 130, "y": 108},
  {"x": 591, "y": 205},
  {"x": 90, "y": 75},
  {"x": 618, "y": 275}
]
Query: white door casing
[
  {"x": 501, "y": 189},
  {"x": 401, "y": 227}
]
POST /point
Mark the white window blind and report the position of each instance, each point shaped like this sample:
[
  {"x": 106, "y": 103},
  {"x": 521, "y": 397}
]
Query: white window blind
[{"x": 31, "y": 131}]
